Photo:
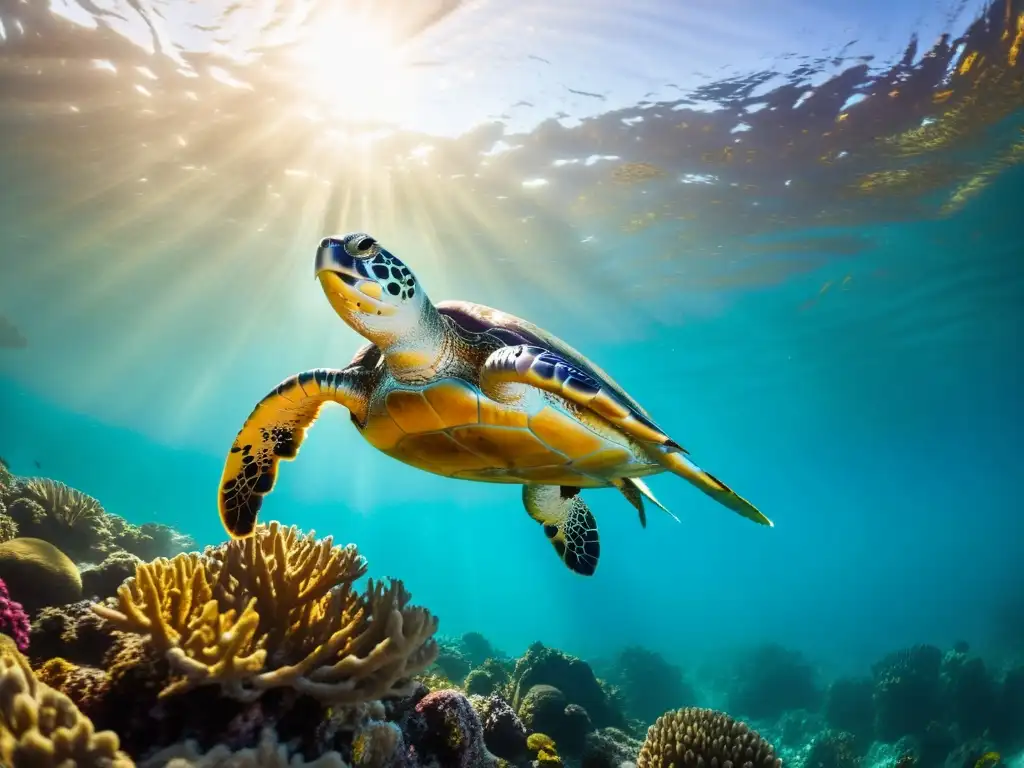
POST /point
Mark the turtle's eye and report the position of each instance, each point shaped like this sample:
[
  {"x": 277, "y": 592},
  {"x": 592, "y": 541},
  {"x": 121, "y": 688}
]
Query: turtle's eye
[{"x": 361, "y": 246}]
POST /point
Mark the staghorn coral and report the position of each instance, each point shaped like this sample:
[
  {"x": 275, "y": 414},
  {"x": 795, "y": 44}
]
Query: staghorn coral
[
  {"x": 277, "y": 609},
  {"x": 41, "y": 727},
  {"x": 13, "y": 619},
  {"x": 269, "y": 753},
  {"x": 693, "y": 736}
]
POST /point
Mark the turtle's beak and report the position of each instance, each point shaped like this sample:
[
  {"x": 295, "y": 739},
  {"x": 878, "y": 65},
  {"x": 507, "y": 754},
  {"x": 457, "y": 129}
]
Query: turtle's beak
[{"x": 349, "y": 286}]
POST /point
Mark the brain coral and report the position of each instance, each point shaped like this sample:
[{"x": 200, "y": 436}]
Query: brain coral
[
  {"x": 38, "y": 574},
  {"x": 277, "y": 609},
  {"x": 693, "y": 736}
]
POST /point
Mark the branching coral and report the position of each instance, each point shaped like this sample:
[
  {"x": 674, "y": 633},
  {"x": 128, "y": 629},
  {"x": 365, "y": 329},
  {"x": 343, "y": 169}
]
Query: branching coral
[
  {"x": 274, "y": 610},
  {"x": 40, "y": 727},
  {"x": 693, "y": 736}
]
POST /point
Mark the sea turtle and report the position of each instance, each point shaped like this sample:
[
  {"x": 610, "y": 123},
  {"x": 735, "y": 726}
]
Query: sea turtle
[{"x": 468, "y": 392}]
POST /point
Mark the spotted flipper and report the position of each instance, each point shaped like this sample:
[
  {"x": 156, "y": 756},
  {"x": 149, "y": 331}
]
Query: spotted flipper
[
  {"x": 635, "y": 490},
  {"x": 568, "y": 523},
  {"x": 678, "y": 464},
  {"x": 272, "y": 433},
  {"x": 509, "y": 367}
]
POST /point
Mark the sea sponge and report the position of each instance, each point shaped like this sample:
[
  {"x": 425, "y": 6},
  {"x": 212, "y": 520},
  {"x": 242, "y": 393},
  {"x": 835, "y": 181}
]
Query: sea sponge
[
  {"x": 41, "y": 727},
  {"x": 39, "y": 574},
  {"x": 695, "y": 736},
  {"x": 277, "y": 609},
  {"x": 13, "y": 619}
]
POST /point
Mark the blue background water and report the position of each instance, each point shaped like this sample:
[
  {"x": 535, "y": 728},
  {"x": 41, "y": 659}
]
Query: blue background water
[{"x": 878, "y": 422}]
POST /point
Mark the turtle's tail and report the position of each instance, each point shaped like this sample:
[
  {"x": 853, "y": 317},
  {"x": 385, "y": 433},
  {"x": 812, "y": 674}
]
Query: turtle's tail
[{"x": 677, "y": 463}]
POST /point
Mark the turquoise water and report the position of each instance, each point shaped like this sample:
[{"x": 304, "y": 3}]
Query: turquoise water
[{"x": 852, "y": 364}]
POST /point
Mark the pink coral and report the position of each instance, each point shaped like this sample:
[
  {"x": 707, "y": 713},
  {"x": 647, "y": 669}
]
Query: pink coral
[{"x": 13, "y": 619}]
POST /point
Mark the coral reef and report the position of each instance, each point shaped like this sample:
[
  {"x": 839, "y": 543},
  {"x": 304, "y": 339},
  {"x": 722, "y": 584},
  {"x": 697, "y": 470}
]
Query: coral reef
[
  {"x": 609, "y": 748},
  {"x": 41, "y": 727},
  {"x": 833, "y": 749},
  {"x": 449, "y": 728},
  {"x": 492, "y": 676},
  {"x": 103, "y": 580},
  {"x": 694, "y": 736},
  {"x": 268, "y": 753},
  {"x": 571, "y": 676},
  {"x": 772, "y": 679},
  {"x": 476, "y": 649},
  {"x": 77, "y": 524},
  {"x": 13, "y": 619},
  {"x": 277, "y": 610},
  {"x": 650, "y": 685},
  {"x": 907, "y": 691},
  {"x": 504, "y": 732},
  {"x": 849, "y": 706},
  {"x": 39, "y": 574}
]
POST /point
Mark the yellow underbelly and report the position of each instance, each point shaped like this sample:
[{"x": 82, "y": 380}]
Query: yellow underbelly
[{"x": 449, "y": 429}]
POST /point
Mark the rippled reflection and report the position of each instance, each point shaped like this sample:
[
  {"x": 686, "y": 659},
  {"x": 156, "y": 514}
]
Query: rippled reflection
[{"x": 172, "y": 162}]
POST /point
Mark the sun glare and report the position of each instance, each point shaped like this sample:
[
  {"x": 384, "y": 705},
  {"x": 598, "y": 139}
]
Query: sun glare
[{"x": 354, "y": 68}]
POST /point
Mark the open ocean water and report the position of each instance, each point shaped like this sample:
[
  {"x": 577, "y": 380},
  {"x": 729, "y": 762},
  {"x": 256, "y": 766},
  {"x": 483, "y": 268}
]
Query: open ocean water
[{"x": 790, "y": 230}]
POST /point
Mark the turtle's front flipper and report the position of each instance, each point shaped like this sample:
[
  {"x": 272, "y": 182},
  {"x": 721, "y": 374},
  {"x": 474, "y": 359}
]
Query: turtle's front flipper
[
  {"x": 509, "y": 368},
  {"x": 274, "y": 431},
  {"x": 568, "y": 524}
]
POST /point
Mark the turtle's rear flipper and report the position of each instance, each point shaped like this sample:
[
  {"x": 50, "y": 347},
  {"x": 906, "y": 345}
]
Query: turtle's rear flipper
[
  {"x": 678, "y": 464},
  {"x": 568, "y": 524},
  {"x": 274, "y": 431},
  {"x": 635, "y": 490}
]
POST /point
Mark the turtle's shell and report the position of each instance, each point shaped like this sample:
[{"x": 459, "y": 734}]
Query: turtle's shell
[{"x": 449, "y": 428}]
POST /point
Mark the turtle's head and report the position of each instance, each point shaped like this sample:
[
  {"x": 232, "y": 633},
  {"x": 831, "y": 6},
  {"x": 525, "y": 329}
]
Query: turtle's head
[{"x": 372, "y": 290}]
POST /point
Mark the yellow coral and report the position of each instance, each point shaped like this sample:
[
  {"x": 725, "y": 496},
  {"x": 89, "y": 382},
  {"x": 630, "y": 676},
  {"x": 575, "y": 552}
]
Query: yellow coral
[
  {"x": 41, "y": 728},
  {"x": 696, "y": 737},
  {"x": 536, "y": 742},
  {"x": 273, "y": 610}
]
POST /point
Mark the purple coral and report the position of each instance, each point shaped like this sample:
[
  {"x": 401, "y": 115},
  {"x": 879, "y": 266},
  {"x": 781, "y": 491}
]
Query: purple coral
[
  {"x": 13, "y": 619},
  {"x": 450, "y": 731}
]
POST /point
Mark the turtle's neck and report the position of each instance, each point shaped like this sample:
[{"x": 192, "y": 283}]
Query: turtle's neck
[{"x": 418, "y": 355}]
